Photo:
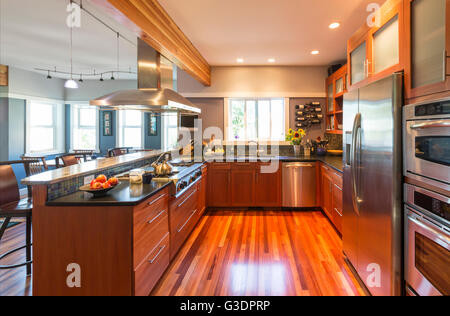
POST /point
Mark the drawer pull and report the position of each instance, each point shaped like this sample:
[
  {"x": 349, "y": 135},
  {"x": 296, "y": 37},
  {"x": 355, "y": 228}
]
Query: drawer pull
[
  {"x": 185, "y": 200},
  {"x": 156, "y": 200},
  {"x": 182, "y": 227},
  {"x": 157, "y": 255},
  {"x": 339, "y": 188},
  {"x": 156, "y": 217},
  {"x": 337, "y": 211},
  {"x": 337, "y": 175}
]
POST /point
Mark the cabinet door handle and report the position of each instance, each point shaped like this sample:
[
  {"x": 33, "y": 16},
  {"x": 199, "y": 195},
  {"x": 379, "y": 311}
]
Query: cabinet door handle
[
  {"x": 156, "y": 200},
  {"x": 337, "y": 211},
  {"x": 157, "y": 255},
  {"x": 187, "y": 221},
  {"x": 156, "y": 217},
  {"x": 339, "y": 188},
  {"x": 185, "y": 200}
]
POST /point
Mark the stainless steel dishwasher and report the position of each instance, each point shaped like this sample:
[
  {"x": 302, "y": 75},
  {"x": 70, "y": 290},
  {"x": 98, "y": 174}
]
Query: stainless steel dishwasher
[{"x": 299, "y": 184}]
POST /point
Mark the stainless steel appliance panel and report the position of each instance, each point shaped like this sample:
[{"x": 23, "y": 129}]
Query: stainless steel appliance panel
[
  {"x": 299, "y": 184},
  {"x": 427, "y": 254},
  {"x": 350, "y": 214},
  {"x": 372, "y": 182},
  {"x": 427, "y": 143}
]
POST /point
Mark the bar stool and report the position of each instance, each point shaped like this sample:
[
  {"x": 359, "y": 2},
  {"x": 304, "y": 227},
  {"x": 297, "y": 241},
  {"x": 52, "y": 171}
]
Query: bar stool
[
  {"x": 67, "y": 160},
  {"x": 12, "y": 206}
]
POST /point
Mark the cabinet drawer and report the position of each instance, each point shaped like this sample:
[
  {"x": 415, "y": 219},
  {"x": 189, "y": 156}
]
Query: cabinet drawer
[
  {"x": 152, "y": 268},
  {"x": 148, "y": 234},
  {"x": 151, "y": 207},
  {"x": 337, "y": 206},
  {"x": 337, "y": 178},
  {"x": 181, "y": 232},
  {"x": 181, "y": 207}
]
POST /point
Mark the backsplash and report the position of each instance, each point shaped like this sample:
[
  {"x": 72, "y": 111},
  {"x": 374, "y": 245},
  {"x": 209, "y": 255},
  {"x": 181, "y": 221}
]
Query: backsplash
[
  {"x": 70, "y": 186},
  {"x": 335, "y": 141}
]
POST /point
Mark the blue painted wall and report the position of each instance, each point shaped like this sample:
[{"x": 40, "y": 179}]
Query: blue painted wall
[
  {"x": 107, "y": 142},
  {"x": 152, "y": 142},
  {"x": 16, "y": 134}
]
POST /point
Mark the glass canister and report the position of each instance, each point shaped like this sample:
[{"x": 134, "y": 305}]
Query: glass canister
[{"x": 136, "y": 176}]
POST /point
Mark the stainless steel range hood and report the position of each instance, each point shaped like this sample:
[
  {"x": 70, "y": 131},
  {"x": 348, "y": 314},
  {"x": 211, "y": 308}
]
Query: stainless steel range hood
[{"x": 155, "y": 88}]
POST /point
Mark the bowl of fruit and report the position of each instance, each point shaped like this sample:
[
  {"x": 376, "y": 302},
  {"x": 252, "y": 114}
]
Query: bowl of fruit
[{"x": 100, "y": 186}]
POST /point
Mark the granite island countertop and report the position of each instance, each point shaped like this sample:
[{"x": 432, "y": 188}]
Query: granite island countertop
[{"x": 125, "y": 194}]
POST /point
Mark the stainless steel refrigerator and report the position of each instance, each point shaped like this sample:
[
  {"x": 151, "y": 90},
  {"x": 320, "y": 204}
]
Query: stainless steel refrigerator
[{"x": 372, "y": 223}]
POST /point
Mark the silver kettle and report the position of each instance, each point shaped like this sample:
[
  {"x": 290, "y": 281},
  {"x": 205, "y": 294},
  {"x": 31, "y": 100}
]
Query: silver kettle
[{"x": 163, "y": 168}]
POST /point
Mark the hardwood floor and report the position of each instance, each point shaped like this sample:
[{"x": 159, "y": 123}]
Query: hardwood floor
[
  {"x": 14, "y": 282},
  {"x": 260, "y": 253},
  {"x": 237, "y": 253}
]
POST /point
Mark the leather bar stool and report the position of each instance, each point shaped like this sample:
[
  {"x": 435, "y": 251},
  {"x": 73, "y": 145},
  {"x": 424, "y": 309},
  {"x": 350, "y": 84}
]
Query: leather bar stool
[{"x": 12, "y": 206}]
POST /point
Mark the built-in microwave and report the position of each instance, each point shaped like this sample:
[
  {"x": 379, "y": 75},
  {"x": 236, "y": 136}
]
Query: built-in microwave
[
  {"x": 427, "y": 242},
  {"x": 427, "y": 142}
]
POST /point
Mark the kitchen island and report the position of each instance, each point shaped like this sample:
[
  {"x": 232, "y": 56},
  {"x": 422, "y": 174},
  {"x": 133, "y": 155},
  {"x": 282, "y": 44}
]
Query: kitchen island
[{"x": 122, "y": 243}]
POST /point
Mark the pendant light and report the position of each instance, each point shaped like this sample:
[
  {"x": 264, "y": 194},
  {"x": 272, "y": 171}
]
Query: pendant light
[{"x": 71, "y": 84}]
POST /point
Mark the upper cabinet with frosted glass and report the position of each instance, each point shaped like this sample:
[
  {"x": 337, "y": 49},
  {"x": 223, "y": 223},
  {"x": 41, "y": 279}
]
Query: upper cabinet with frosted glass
[
  {"x": 427, "y": 70},
  {"x": 377, "y": 49}
]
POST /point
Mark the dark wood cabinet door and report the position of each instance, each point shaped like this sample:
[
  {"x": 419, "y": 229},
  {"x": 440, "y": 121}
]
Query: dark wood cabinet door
[
  {"x": 337, "y": 206},
  {"x": 267, "y": 188},
  {"x": 327, "y": 194},
  {"x": 218, "y": 183},
  {"x": 243, "y": 184}
]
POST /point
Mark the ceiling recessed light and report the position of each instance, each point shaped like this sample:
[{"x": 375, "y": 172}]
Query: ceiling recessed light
[
  {"x": 334, "y": 25},
  {"x": 271, "y": 60},
  {"x": 315, "y": 52},
  {"x": 240, "y": 60}
]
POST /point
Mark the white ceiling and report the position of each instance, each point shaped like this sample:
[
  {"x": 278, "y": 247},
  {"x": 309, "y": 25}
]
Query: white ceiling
[
  {"x": 256, "y": 30},
  {"x": 34, "y": 34}
]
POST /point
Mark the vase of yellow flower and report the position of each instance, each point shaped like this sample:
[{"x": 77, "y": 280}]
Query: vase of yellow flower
[{"x": 295, "y": 137}]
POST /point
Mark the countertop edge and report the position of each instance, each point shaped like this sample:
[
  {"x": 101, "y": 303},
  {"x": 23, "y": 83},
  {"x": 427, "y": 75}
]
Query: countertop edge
[
  {"x": 112, "y": 204},
  {"x": 139, "y": 157}
]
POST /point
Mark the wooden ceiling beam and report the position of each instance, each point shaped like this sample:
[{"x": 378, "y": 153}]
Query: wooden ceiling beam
[{"x": 149, "y": 20}]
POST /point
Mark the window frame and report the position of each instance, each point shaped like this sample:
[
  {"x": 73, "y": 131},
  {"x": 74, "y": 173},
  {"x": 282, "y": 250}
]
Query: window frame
[
  {"x": 120, "y": 129},
  {"x": 164, "y": 128},
  {"x": 58, "y": 126},
  {"x": 228, "y": 115},
  {"x": 76, "y": 107}
]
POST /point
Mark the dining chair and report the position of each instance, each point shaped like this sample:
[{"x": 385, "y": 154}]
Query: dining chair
[{"x": 12, "y": 206}]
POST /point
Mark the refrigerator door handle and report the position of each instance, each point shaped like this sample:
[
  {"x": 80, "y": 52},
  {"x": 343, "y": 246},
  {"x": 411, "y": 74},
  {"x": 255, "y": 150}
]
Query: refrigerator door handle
[{"x": 354, "y": 168}]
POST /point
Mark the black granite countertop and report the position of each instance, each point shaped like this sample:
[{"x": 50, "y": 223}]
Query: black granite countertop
[
  {"x": 130, "y": 195},
  {"x": 123, "y": 195},
  {"x": 335, "y": 162}
]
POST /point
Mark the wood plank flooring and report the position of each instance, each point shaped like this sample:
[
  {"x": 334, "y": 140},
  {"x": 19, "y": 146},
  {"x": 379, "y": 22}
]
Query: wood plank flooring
[
  {"x": 260, "y": 253},
  {"x": 14, "y": 282},
  {"x": 237, "y": 253}
]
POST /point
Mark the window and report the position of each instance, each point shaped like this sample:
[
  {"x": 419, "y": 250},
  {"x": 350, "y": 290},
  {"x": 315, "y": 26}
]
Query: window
[
  {"x": 170, "y": 130},
  {"x": 84, "y": 129},
  {"x": 130, "y": 129},
  {"x": 256, "y": 119},
  {"x": 45, "y": 127}
]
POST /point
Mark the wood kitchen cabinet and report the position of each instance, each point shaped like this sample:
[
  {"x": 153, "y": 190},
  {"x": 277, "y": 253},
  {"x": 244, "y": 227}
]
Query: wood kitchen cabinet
[
  {"x": 327, "y": 192},
  {"x": 332, "y": 195},
  {"x": 428, "y": 40},
  {"x": 184, "y": 215},
  {"x": 219, "y": 184},
  {"x": 268, "y": 187},
  {"x": 336, "y": 86},
  {"x": 243, "y": 185},
  {"x": 203, "y": 190},
  {"x": 243, "y": 178},
  {"x": 376, "y": 51}
]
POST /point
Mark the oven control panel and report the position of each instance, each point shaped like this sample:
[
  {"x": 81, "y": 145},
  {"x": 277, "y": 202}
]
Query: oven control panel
[{"x": 438, "y": 108}]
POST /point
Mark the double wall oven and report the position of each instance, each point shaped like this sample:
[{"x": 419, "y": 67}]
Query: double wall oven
[{"x": 427, "y": 200}]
